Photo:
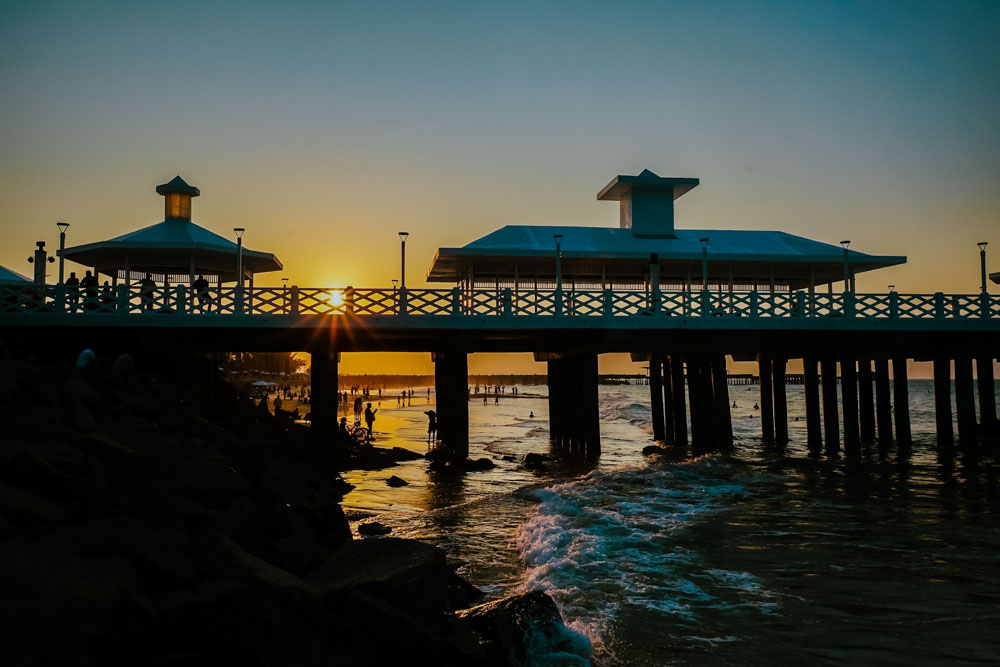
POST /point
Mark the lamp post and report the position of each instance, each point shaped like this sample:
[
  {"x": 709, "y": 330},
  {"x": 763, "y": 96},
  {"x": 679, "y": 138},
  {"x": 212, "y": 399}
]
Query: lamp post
[
  {"x": 402, "y": 259},
  {"x": 284, "y": 294},
  {"x": 558, "y": 239},
  {"x": 704, "y": 264},
  {"x": 892, "y": 288},
  {"x": 63, "y": 226},
  {"x": 239, "y": 255},
  {"x": 982, "y": 262},
  {"x": 847, "y": 277}
]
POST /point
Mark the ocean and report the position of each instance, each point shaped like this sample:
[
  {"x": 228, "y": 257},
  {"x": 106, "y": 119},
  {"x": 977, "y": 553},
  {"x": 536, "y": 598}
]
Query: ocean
[{"x": 762, "y": 557}]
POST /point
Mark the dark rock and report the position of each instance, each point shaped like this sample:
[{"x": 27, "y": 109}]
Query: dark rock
[
  {"x": 527, "y": 622},
  {"x": 483, "y": 464},
  {"x": 396, "y": 482},
  {"x": 55, "y": 605},
  {"x": 25, "y": 510},
  {"x": 652, "y": 450},
  {"x": 83, "y": 420},
  {"x": 102, "y": 446},
  {"x": 221, "y": 558},
  {"x": 411, "y": 575},
  {"x": 401, "y": 454},
  {"x": 373, "y": 528},
  {"x": 159, "y": 565},
  {"x": 534, "y": 460},
  {"x": 215, "y": 485}
]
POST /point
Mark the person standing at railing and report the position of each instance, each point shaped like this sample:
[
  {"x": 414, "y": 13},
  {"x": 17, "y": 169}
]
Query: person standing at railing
[
  {"x": 73, "y": 291},
  {"x": 147, "y": 292},
  {"x": 107, "y": 298},
  {"x": 89, "y": 285},
  {"x": 201, "y": 291}
]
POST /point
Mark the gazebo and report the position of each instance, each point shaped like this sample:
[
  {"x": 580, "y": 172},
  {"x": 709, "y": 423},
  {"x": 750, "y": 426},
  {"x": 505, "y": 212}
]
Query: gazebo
[
  {"x": 621, "y": 258},
  {"x": 175, "y": 250},
  {"x": 9, "y": 277}
]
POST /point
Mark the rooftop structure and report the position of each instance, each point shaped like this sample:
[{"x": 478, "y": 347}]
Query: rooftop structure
[
  {"x": 175, "y": 248},
  {"x": 600, "y": 257},
  {"x": 8, "y": 276}
]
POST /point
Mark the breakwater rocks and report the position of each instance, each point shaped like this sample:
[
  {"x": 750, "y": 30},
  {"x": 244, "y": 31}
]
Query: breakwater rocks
[{"x": 138, "y": 527}]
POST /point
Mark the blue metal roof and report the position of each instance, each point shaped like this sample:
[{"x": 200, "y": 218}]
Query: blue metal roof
[{"x": 8, "y": 276}]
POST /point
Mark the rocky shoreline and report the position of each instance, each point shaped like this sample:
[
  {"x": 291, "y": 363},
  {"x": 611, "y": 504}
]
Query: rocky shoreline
[{"x": 138, "y": 527}]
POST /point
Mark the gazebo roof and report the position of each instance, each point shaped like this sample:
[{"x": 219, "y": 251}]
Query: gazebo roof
[
  {"x": 174, "y": 246},
  {"x": 8, "y": 276},
  {"x": 586, "y": 251}
]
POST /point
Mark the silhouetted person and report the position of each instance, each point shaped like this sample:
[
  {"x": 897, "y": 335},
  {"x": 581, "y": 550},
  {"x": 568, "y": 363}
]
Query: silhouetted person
[
  {"x": 147, "y": 292},
  {"x": 201, "y": 291},
  {"x": 756, "y": 406},
  {"x": 432, "y": 426},
  {"x": 343, "y": 425},
  {"x": 734, "y": 404},
  {"x": 277, "y": 403},
  {"x": 358, "y": 403},
  {"x": 370, "y": 418},
  {"x": 89, "y": 285},
  {"x": 107, "y": 297},
  {"x": 73, "y": 291}
]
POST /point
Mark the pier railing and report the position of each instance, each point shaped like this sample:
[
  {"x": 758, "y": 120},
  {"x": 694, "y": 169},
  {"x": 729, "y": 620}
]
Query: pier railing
[{"x": 136, "y": 300}]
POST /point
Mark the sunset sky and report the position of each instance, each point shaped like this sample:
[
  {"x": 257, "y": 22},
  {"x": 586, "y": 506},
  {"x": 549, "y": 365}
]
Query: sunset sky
[{"x": 324, "y": 128}]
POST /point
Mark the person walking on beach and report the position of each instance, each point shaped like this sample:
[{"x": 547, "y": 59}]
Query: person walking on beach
[
  {"x": 432, "y": 426},
  {"x": 73, "y": 291},
  {"x": 357, "y": 409},
  {"x": 370, "y": 418}
]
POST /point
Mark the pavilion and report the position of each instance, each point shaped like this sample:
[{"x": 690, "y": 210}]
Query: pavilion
[
  {"x": 12, "y": 277},
  {"x": 175, "y": 250},
  {"x": 620, "y": 258}
]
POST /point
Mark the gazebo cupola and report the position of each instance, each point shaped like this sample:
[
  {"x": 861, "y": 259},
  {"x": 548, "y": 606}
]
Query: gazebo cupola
[
  {"x": 177, "y": 199},
  {"x": 646, "y": 202}
]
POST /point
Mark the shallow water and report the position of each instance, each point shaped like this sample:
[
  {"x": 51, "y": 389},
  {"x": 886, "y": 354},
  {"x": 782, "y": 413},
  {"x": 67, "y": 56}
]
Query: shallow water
[{"x": 759, "y": 558}]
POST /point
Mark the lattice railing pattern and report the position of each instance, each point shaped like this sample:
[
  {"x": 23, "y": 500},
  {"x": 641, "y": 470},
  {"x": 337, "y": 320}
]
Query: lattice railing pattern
[{"x": 504, "y": 302}]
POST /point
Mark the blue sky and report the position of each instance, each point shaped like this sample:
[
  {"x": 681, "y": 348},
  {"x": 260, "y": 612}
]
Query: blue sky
[{"x": 324, "y": 128}]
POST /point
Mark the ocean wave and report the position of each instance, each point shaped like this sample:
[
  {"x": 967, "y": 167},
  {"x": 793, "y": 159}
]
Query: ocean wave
[{"x": 608, "y": 540}]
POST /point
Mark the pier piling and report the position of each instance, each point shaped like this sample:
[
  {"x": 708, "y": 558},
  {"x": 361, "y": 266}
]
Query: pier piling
[
  {"x": 831, "y": 422},
  {"x": 849, "y": 399},
  {"x": 451, "y": 384},
  {"x": 987, "y": 395},
  {"x": 656, "y": 397},
  {"x": 866, "y": 401},
  {"x": 720, "y": 390},
  {"x": 766, "y": 398},
  {"x": 574, "y": 414},
  {"x": 942, "y": 402},
  {"x": 679, "y": 407},
  {"x": 323, "y": 368},
  {"x": 965, "y": 402},
  {"x": 669, "y": 434},
  {"x": 901, "y": 401},
  {"x": 810, "y": 379},
  {"x": 883, "y": 403},
  {"x": 778, "y": 366}
]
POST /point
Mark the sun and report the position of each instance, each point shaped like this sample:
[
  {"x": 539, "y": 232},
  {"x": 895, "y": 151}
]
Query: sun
[{"x": 335, "y": 299}]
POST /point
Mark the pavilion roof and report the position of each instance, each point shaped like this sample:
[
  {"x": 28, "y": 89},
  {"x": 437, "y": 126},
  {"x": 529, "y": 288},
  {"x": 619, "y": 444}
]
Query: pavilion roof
[
  {"x": 169, "y": 247},
  {"x": 8, "y": 276},
  {"x": 589, "y": 251}
]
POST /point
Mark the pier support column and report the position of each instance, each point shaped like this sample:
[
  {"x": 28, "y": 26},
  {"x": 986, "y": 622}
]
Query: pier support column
[
  {"x": 656, "y": 396},
  {"x": 901, "y": 401},
  {"x": 866, "y": 400},
  {"x": 987, "y": 395},
  {"x": 965, "y": 403},
  {"x": 810, "y": 378},
  {"x": 451, "y": 384},
  {"x": 778, "y": 365},
  {"x": 883, "y": 403},
  {"x": 679, "y": 407},
  {"x": 694, "y": 400},
  {"x": 574, "y": 413},
  {"x": 669, "y": 435},
  {"x": 324, "y": 380},
  {"x": 831, "y": 421},
  {"x": 720, "y": 391},
  {"x": 849, "y": 399},
  {"x": 710, "y": 423},
  {"x": 766, "y": 398},
  {"x": 942, "y": 403}
]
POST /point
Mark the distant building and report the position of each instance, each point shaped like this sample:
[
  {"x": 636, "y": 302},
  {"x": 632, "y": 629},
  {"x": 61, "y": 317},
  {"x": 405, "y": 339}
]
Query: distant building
[{"x": 594, "y": 258}]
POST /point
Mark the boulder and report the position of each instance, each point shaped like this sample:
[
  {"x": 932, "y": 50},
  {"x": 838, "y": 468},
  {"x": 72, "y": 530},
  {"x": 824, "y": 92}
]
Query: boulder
[
  {"x": 527, "y": 628},
  {"x": 534, "y": 460},
  {"x": 411, "y": 575},
  {"x": 369, "y": 528},
  {"x": 212, "y": 484},
  {"x": 401, "y": 454},
  {"x": 652, "y": 450},
  {"x": 25, "y": 510},
  {"x": 396, "y": 482},
  {"x": 219, "y": 557}
]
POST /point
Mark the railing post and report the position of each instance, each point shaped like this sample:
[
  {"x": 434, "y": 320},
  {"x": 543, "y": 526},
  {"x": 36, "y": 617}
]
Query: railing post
[
  {"x": 893, "y": 305},
  {"x": 848, "y": 304},
  {"x": 60, "y": 298},
  {"x": 508, "y": 302},
  {"x": 402, "y": 301},
  {"x": 984, "y": 305},
  {"x": 121, "y": 299},
  {"x": 656, "y": 301},
  {"x": 956, "y": 308},
  {"x": 939, "y": 305},
  {"x": 559, "y": 302},
  {"x": 800, "y": 304},
  {"x": 294, "y": 309},
  {"x": 238, "y": 301},
  {"x": 706, "y": 303},
  {"x": 182, "y": 300},
  {"x": 349, "y": 300},
  {"x": 609, "y": 303},
  {"x": 754, "y": 304},
  {"x": 456, "y": 301}
]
